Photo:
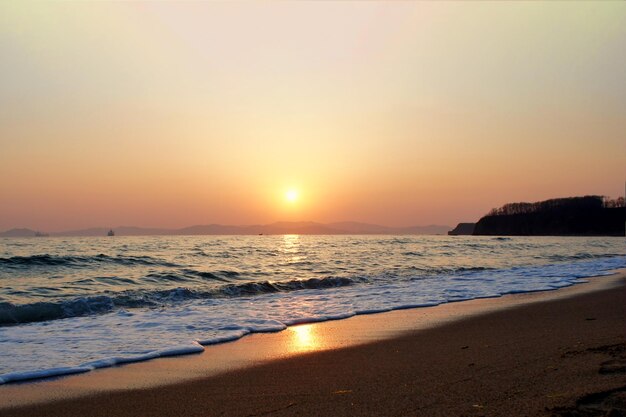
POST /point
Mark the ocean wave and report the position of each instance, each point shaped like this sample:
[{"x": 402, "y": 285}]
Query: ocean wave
[
  {"x": 428, "y": 272},
  {"x": 97, "y": 304},
  {"x": 578, "y": 256},
  {"x": 12, "y": 314},
  {"x": 265, "y": 287},
  {"x": 151, "y": 333},
  {"x": 80, "y": 261}
]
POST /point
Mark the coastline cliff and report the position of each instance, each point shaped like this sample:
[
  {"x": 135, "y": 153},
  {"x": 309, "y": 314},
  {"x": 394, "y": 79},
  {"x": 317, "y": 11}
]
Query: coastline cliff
[{"x": 462, "y": 229}]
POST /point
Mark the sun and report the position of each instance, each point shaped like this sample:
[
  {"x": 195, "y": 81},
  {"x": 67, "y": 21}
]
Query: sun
[{"x": 291, "y": 195}]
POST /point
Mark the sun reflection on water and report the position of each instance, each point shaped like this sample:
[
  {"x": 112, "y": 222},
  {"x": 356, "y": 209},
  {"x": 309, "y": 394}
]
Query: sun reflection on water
[
  {"x": 291, "y": 248},
  {"x": 292, "y": 243}
]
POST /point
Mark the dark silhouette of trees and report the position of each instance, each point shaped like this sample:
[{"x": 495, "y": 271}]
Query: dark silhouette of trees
[
  {"x": 618, "y": 202},
  {"x": 588, "y": 215},
  {"x": 589, "y": 202}
]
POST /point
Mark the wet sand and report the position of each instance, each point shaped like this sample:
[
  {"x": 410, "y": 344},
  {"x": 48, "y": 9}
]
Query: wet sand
[{"x": 554, "y": 353}]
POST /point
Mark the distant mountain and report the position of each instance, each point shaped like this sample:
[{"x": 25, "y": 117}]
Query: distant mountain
[
  {"x": 356, "y": 228},
  {"x": 119, "y": 231},
  {"x": 295, "y": 228},
  {"x": 278, "y": 228},
  {"x": 211, "y": 229},
  {"x": 94, "y": 231},
  {"x": 139, "y": 231},
  {"x": 374, "y": 229},
  {"x": 433, "y": 229},
  {"x": 18, "y": 233}
]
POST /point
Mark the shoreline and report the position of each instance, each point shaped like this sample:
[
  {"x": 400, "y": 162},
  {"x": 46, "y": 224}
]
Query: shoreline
[
  {"x": 296, "y": 343},
  {"x": 411, "y": 296}
]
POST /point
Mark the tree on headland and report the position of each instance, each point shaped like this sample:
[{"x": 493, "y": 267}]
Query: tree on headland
[
  {"x": 590, "y": 202},
  {"x": 616, "y": 203},
  {"x": 581, "y": 216}
]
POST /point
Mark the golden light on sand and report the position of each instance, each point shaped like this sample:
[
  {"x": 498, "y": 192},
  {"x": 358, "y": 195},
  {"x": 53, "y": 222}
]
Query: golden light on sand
[
  {"x": 291, "y": 195},
  {"x": 304, "y": 338}
]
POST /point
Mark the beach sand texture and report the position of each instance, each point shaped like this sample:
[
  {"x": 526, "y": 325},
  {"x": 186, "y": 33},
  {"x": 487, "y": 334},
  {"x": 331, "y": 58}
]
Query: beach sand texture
[{"x": 558, "y": 353}]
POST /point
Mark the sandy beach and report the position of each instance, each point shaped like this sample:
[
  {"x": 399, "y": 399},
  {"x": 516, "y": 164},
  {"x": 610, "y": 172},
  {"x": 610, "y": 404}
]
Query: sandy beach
[{"x": 557, "y": 353}]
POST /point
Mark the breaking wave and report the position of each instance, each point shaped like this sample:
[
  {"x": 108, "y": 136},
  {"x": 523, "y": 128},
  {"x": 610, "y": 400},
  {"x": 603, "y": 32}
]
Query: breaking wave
[{"x": 11, "y": 314}]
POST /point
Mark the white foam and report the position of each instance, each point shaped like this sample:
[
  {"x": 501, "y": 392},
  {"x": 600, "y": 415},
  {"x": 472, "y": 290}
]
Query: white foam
[
  {"x": 181, "y": 350},
  {"x": 119, "y": 360},
  {"x": 113, "y": 339},
  {"x": 236, "y": 335},
  {"x": 43, "y": 373}
]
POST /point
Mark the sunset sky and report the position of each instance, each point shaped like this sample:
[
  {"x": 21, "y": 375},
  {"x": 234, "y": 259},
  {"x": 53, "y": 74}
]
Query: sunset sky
[{"x": 173, "y": 113}]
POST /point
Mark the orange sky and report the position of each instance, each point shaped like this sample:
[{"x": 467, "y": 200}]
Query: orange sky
[{"x": 173, "y": 114}]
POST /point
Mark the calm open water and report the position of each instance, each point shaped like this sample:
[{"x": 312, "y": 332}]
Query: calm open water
[{"x": 74, "y": 304}]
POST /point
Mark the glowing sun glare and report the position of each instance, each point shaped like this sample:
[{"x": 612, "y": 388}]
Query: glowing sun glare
[
  {"x": 291, "y": 195},
  {"x": 304, "y": 338}
]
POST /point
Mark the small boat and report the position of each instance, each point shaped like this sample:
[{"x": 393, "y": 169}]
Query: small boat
[{"x": 111, "y": 233}]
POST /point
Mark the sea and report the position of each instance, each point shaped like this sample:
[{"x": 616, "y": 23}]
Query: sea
[{"x": 70, "y": 305}]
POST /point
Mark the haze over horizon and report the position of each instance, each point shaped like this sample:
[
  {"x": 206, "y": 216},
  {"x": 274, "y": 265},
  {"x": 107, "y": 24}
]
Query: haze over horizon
[{"x": 157, "y": 114}]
